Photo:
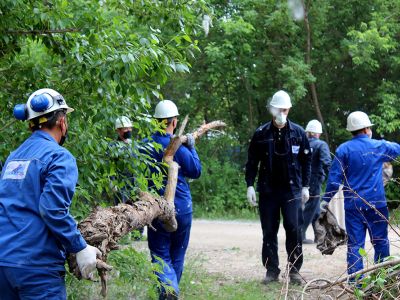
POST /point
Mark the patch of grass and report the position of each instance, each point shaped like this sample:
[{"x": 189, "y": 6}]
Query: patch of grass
[
  {"x": 243, "y": 214},
  {"x": 197, "y": 284},
  {"x": 131, "y": 278}
]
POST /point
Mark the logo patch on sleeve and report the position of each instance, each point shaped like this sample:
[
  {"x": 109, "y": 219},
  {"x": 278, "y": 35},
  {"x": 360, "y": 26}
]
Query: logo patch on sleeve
[{"x": 16, "y": 169}]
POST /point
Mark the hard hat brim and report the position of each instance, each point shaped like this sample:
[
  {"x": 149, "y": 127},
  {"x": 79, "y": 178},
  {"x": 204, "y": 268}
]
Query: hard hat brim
[{"x": 355, "y": 129}]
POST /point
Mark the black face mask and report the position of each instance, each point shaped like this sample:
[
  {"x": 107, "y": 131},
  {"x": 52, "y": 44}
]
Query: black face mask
[
  {"x": 63, "y": 138},
  {"x": 127, "y": 135}
]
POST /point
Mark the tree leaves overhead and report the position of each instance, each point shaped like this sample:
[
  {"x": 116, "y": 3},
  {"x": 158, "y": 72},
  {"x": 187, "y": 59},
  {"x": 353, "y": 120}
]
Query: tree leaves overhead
[
  {"x": 107, "y": 58},
  {"x": 111, "y": 58}
]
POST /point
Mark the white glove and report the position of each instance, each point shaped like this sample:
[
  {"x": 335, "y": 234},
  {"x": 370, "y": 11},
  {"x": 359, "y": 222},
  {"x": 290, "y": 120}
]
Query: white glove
[
  {"x": 190, "y": 141},
  {"x": 86, "y": 260},
  {"x": 251, "y": 196},
  {"x": 323, "y": 205},
  {"x": 305, "y": 195}
]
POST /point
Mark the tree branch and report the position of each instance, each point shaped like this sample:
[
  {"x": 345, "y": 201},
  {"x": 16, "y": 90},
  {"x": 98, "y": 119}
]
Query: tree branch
[{"x": 39, "y": 32}]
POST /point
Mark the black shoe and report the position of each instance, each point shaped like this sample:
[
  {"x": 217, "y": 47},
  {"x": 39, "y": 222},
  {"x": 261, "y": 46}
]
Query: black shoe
[
  {"x": 295, "y": 278},
  {"x": 270, "y": 278},
  {"x": 308, "y": 241}
]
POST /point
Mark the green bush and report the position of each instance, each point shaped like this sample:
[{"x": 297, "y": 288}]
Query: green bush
[
  {"x": 131, "y": 278},
  {"x": 221, "y": 189}
]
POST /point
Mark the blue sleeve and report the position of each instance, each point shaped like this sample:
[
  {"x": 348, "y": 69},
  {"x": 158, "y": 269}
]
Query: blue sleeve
[
  {"x": 189, "y": 162},
  {"x": 60, "y": 180},
  {"x": 325, "y": 156},
  {"x": 391, "y": 150},
  {"x": 336, "y": 176},
  {"x": 304, "y": 157}
]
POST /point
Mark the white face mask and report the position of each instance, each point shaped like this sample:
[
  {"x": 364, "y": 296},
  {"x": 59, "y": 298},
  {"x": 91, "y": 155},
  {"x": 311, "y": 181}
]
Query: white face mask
[
  {"x": 281, "y": 119},
  {"x": 369, "y": 134}
]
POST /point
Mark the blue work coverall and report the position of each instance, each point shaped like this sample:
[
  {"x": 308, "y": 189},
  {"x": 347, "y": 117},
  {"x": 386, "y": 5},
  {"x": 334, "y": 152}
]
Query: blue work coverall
[
  {"x": 320, "y": 164},
  {"x": 358, "y": 165},
  {"x": 171, "y": 247},
  {"x": 284, "y": 198},
  {"x": 36, "y": 229}
]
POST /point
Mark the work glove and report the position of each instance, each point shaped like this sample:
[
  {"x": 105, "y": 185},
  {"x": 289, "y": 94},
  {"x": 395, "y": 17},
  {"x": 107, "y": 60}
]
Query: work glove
[
  {"x": 251, "y": 196},
  {"x": 86, "y": 260},
  {"x": 323, "y": 206},
  {"x": 305, "y": 195},
  {"x": 190, "y": 141}
]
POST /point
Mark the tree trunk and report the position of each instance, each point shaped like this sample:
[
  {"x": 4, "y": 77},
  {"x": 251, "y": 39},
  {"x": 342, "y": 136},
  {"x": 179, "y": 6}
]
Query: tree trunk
[
  {"x": 104, "y": 227},
  {"x": 313, "y": 87}
]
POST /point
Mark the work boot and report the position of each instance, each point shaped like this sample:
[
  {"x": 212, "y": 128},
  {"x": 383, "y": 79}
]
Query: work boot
[
  {"x": 295, "y": 278},
  {"x": 271, "y": 278}
]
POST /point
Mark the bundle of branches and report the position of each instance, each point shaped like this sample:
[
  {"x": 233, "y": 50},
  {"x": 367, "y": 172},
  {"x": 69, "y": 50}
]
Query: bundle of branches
[
  {"x": 328, "y": 233},
  {"x": 104, "y": 227},
  {"x": 380, "y": 281}
]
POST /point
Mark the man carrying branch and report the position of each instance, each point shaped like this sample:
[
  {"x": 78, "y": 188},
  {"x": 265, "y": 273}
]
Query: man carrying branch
[
  {"x": 169, "y": 247},
  {"x": 36, "y": 187},
  {"x": 358, "y": 165}
]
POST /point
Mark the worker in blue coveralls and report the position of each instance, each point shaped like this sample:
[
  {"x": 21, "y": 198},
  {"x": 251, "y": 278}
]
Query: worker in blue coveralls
[
  {"x": 279, "y": 153},
  {"x": 320, "y": 164},
  {"x": 171, "y": 247},
  {"x": 36, "y": 187},
  {"x": 358, "y": 166}
]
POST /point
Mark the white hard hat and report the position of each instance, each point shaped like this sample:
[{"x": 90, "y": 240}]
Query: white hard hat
[
  {"x": 44, "y": 101},
  {"x": 281, "y": 99},
  {"x": 358, "y": 120},
  {"x": 165, "y": 109},
  {"x": 122, "y": 122},
  {"x": 314, "y": 126}
]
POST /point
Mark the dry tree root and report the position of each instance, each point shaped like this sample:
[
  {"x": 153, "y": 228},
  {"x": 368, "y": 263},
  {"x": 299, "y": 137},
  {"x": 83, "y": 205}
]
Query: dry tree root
[{"x": 104, "y": 227}]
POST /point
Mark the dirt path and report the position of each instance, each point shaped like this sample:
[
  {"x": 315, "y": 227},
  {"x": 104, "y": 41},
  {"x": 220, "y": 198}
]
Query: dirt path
[{"x": 233, "y": 248}]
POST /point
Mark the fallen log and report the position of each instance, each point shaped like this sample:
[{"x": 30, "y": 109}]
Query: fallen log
[{"x": 104, "y": 227}]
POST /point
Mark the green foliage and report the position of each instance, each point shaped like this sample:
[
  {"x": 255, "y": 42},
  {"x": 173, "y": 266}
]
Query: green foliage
[
  {"x": 132, "y": 277},
  {"x": 381, "y": 283},
  {"x": 221, "y": 189},
  {"x": 107, "y": 58}
]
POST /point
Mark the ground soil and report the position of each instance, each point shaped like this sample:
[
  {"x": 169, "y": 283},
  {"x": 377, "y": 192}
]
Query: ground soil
[
  {"x": 233, "y": 248},
  {"x": 232, "y": 251}
]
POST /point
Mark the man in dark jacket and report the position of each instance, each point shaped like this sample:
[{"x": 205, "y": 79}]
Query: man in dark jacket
[
  {"x": 320, "y": 164},
  {"x": 280, "y": 154}
]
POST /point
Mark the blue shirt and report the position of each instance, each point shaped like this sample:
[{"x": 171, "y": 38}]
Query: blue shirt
[
  {"x": 320, "y": 164},
  {"x": 190, "y": 167},
  {"x": 358, "y": 165},
  {"x": 36, "y": 187}
]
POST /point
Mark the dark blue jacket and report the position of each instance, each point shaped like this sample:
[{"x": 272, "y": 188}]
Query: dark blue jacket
[
  {"x": 358, "y": 165},
  {"x": 36, "y": 187},
  {"x": 320, "y": 164},
  {"x": 190, "y": 167},
  {"x": 261, "y": 152}
]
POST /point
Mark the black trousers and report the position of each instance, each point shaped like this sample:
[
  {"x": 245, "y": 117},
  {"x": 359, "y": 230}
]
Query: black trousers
[{"x": 271, "y": 206}]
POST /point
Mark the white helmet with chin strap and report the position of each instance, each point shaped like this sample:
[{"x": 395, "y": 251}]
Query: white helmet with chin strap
[
  {"x": 314, "y": 126},
  {"x": 358, "y": 120},
  {"x": 166, "y": 109},
  {"x": 122, "y": 122},
  {"x": 281, "y": 99},
  {"x": 40, "y": 103}
]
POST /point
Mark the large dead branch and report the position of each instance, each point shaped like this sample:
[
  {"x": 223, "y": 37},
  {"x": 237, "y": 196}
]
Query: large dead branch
[{"x": 104, "y": 227}]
